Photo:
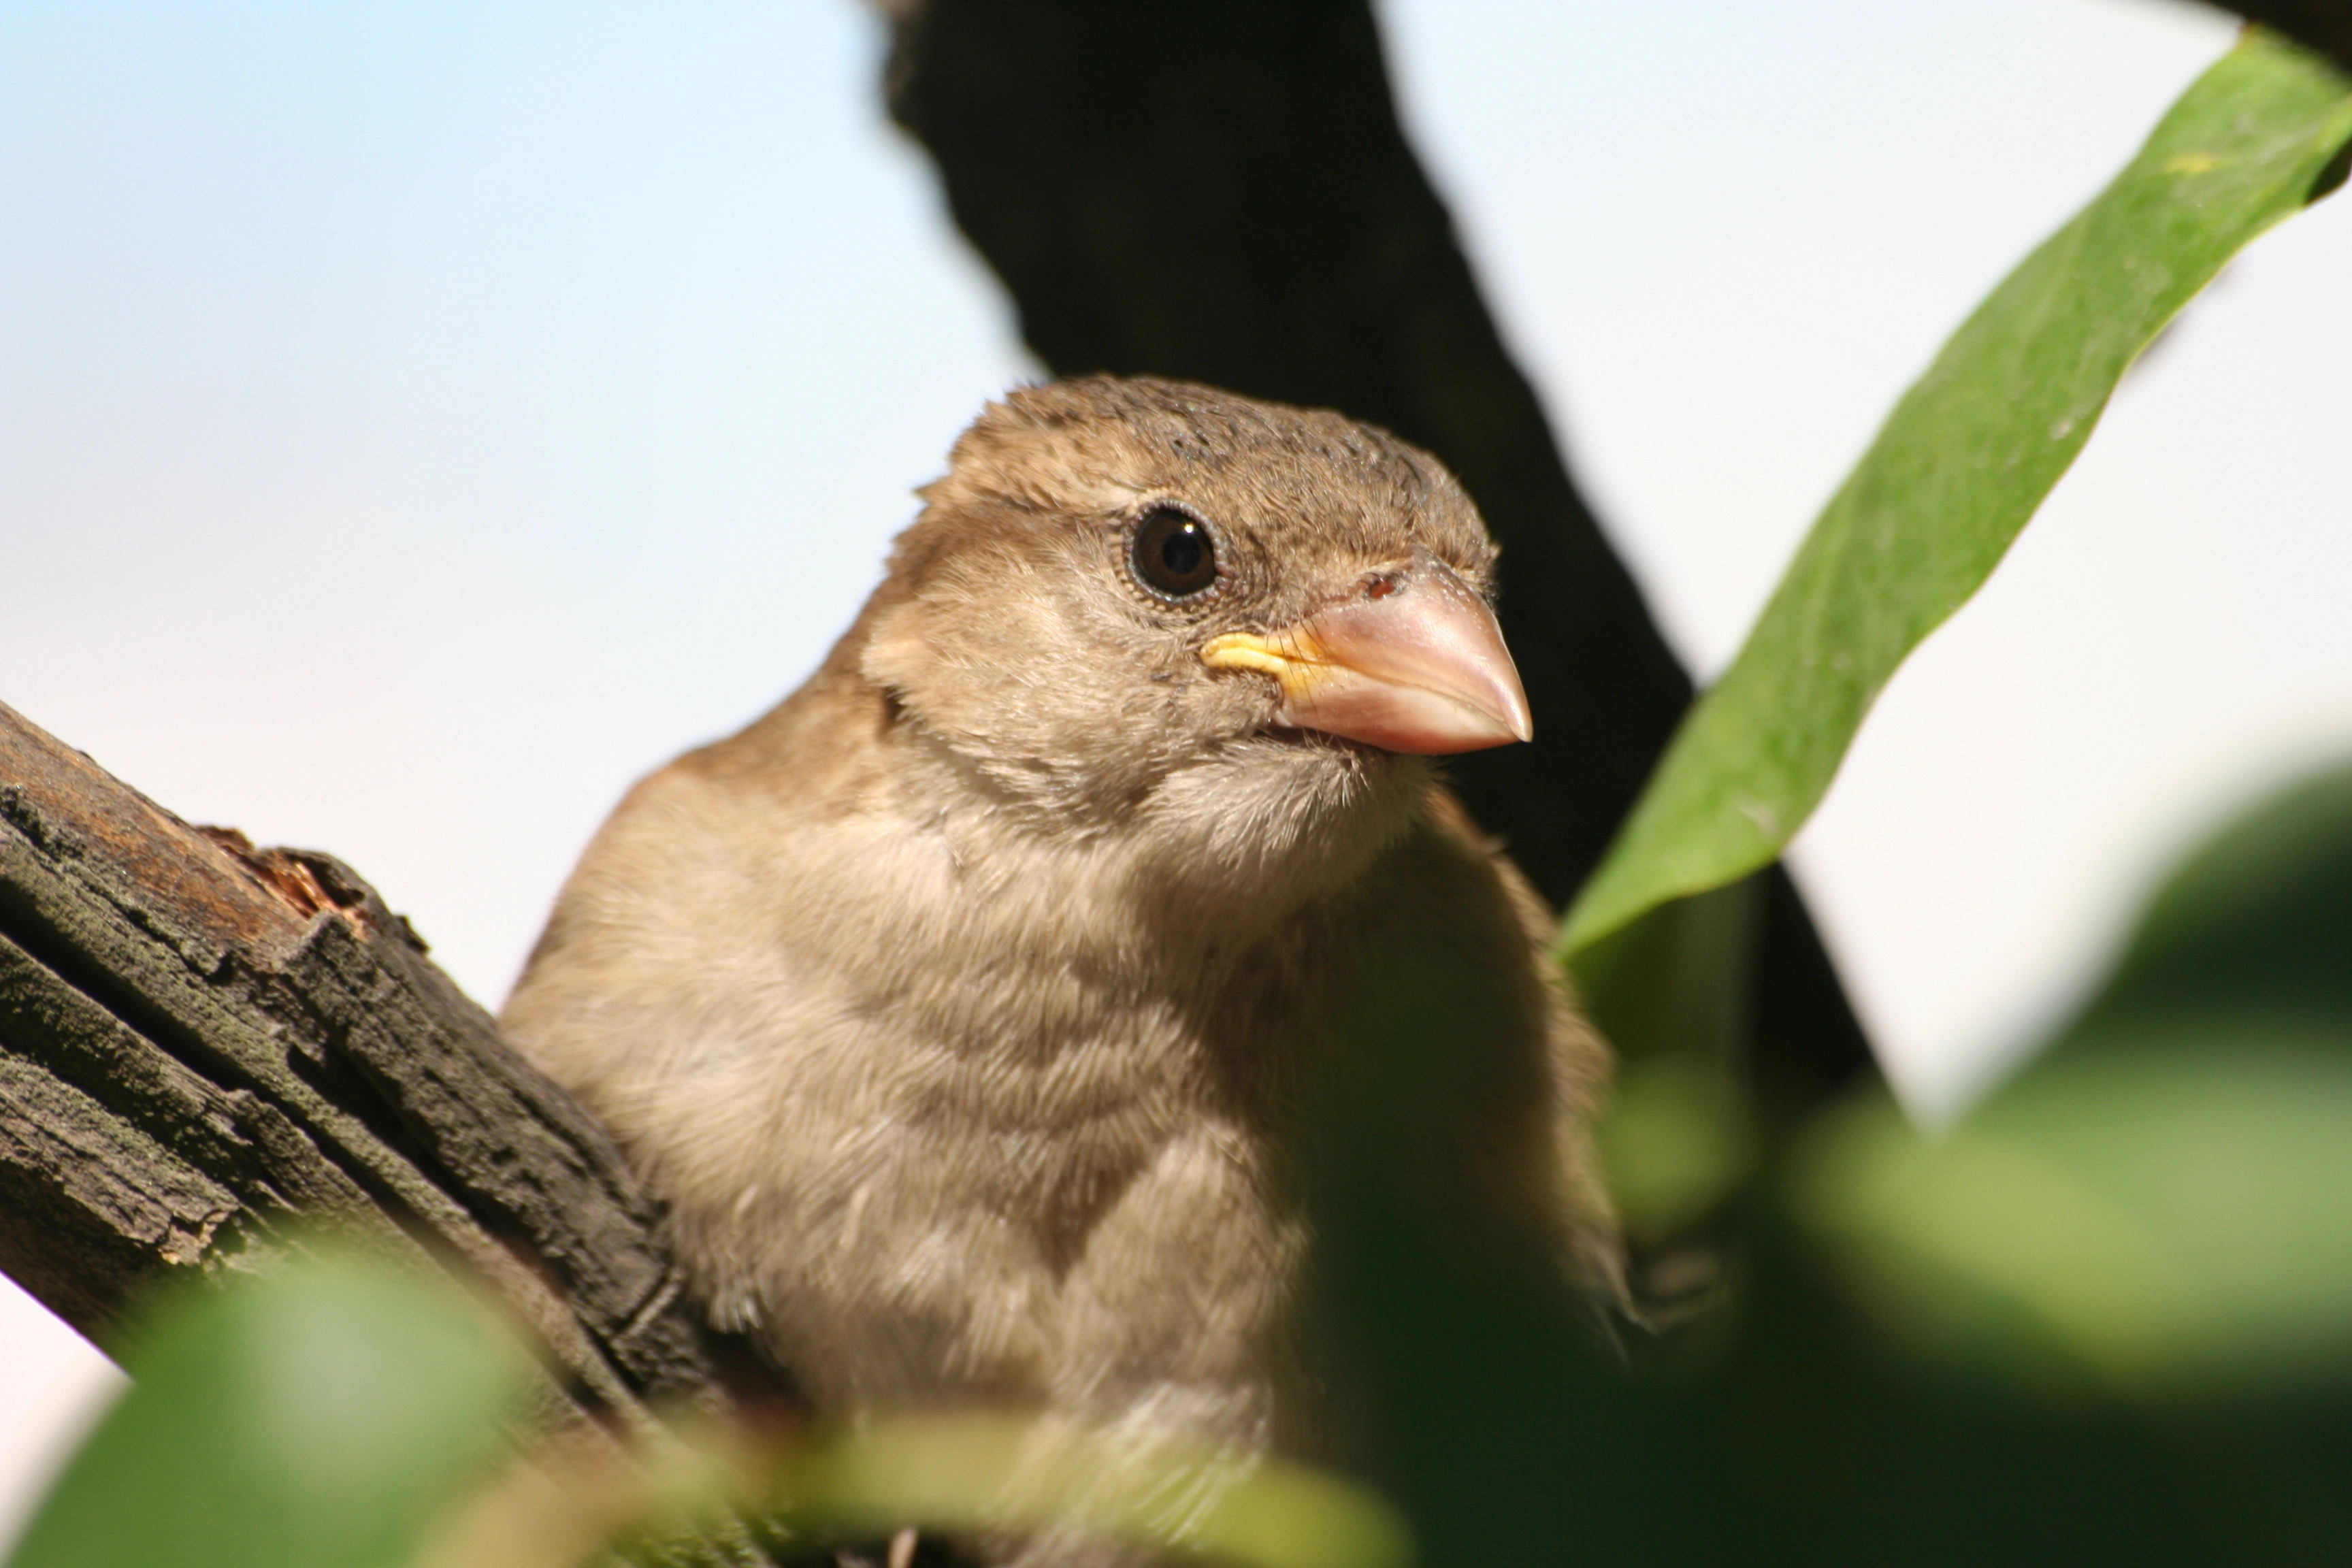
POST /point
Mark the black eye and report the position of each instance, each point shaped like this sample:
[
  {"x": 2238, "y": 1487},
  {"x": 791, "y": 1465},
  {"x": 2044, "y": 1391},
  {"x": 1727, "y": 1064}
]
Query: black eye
[{"x": 1174, "y": 555}]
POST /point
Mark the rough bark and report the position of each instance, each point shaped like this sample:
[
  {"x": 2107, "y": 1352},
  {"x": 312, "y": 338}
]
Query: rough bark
[
  {"x": 208, "y": 1051},
  {"x": 1220, "y": 191}
]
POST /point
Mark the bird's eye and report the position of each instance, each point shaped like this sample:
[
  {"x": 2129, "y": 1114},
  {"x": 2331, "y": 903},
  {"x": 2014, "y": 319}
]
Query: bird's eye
[{"x": 1174, "y": 555}]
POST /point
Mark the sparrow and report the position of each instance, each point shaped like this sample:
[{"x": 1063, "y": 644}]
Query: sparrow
[{"x": 964, "y": 1010}]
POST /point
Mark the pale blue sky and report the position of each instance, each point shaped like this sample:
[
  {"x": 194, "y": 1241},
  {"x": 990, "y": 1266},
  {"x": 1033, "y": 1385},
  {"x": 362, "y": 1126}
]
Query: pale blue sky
[{"x": 417, "y": 420}]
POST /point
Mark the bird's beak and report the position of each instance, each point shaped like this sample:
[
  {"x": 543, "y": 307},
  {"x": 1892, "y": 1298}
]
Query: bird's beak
[{"x": 1411, "y": 661}]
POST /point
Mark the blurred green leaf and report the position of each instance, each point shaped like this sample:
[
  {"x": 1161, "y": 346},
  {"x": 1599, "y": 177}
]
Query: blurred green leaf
[
  {"x": 1675, "y": 1143},
  {"x": 323, "y": 1418},
  {"x": 1487, "y": 1396},
  {"x": 982, "y": 1472},
  {"x": 1677, "y": 980},
  {"x": 2181, "y": 1220},
  {"x": 968, "y": 1473},
  {"x": 1960, "y": 465},
  {"x": 2257, "y": 925},
  {"x": 2164, "y": 1198},
  {"x": 1670, "y": 993}
]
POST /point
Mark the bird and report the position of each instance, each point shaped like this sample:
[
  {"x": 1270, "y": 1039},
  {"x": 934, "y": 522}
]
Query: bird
[{"x": 962, "y": 1011}]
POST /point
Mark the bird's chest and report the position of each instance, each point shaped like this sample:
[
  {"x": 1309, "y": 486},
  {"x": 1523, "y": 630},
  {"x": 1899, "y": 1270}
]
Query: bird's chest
[
  {"x": 1058, "y": 1086},
  {"x": 1066, "y": 1021},
  {"x": 1049, "y": 1144}
]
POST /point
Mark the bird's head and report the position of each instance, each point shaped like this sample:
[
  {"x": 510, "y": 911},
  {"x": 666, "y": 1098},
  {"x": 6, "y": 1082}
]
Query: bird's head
[{"x": 1120, "y": 580}]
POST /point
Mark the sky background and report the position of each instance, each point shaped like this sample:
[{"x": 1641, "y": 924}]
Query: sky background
[{"x": 417, "y": 421}]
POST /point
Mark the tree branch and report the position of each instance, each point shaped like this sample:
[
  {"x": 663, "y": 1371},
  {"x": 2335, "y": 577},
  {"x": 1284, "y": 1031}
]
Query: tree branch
[{"x": 207, "y": 1049}]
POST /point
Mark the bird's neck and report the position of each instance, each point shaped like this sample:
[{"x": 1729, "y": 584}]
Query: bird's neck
[{"x": 1246, "y": 837}]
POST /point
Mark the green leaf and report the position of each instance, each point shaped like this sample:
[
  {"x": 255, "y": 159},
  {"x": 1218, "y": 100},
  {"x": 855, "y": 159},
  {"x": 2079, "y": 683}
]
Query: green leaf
[
  {"x": 324, "y": 1418},
  {"x": 1671, "y": 994},
  {"x": 2164, "y": 1198},
  {"x": 2255, "y": 927},
  {"x": 1675, "y": 1143},
  {"x": 2177, "y": 1219},
  {"x": 1960, "y": 468},
  {"x": 997, "y": 1472},
  {"x": 960, "y": 1473},
  {"x": 1482, "y": 1389}
]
